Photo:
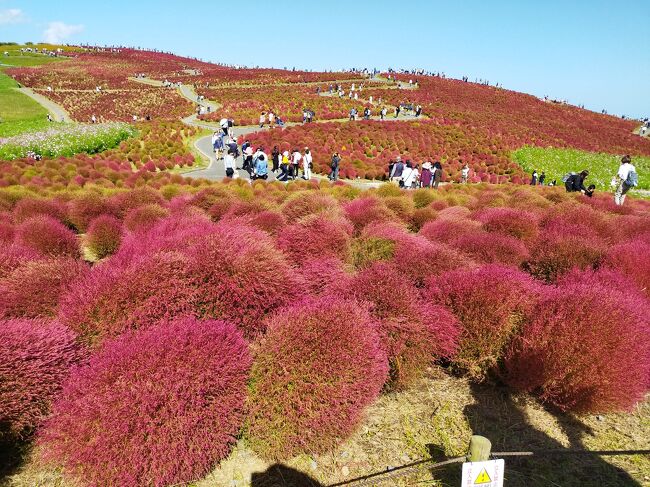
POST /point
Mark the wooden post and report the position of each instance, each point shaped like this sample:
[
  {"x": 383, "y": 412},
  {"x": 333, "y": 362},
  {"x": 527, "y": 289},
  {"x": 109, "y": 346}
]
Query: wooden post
[{"x": 479, "y": 449}]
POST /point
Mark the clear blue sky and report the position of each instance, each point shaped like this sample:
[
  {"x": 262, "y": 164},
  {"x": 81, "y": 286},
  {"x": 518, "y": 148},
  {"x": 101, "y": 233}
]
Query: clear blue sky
[{"x": 592, "y": 52}]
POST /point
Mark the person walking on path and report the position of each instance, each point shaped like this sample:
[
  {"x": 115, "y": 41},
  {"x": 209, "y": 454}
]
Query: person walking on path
[
  {"x": 464, "y": 174},
  {"x": 336, "y": 161},
  {"x": 382, "y": 113},
  {"x": 262, "y": 119},
  {"x": 397, "y": 110},
  {"x": 306, "y": 164},
  {"x": 284, "y": 167},
  {"x": 626, "y": 178},
  {"x": 229, "y": 159},
  {"x": 542, "y": 178},
  {"x": 533, "y": 179},
  {"x": 437, "y": 175},
  {"x": 275, "y": 155},
  {"x": 271, "y": 119}
]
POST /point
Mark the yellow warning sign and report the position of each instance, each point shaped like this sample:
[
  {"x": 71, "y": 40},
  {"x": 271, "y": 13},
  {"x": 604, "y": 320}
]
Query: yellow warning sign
[{"x": 483, "y": 478}]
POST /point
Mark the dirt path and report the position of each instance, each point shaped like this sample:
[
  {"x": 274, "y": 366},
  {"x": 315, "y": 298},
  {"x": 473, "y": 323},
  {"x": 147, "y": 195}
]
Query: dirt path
[{"x": 59, "y": 114}]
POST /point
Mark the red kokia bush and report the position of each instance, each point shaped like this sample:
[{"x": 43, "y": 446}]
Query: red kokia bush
[
  {"x": 239, "y": 276},
  {"x": 269, "y": 221},
  {"x": 446, "y": 230},
  {"x": 632, "y": 258},
  {"x": 491, "y": 248},
  {"x": 33, "y": 288},
  {"x": 309, "y": 203},
  {"x": 156, "y": 407},
  {"x": 144, "y": 217},
  {"x": 112, "y": 299},
  {"x": 36, "y": 358},
  {"x": 6, "y": 231},
  {"x": 316, "y": 369},
  {"x": 326, "y": 276},
  {"x": 585, "y": 349},
  {"x": 362, "y": 211},
  {"x": 316, "y": 236},
  {"x": 104, "y": 236},
  {"x": 514, "y": 222},
  {"x": 47, "y": 236},
  {"x": 414, "y": 333},
  {"x": 415, "y": 256},
  {"x": 557, "y": 252},
  {"x": 29, "y": 207},
  {"x": 87, "y": 207},
  {"x": 490, "y": 303}
]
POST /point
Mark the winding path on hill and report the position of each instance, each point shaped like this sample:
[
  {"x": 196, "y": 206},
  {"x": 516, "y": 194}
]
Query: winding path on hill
[
  {"x": 59, "y": 114},
  {"x": 216, "y": 170}
]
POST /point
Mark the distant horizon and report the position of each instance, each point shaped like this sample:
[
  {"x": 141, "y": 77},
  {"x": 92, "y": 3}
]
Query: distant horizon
[{"x": 588, "y": 53}]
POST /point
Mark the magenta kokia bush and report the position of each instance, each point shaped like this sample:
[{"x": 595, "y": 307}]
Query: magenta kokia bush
[
  {"x": 314, "y": 372},
  {"x": 586, "y": 348},
  {"x": 316, "y": 236},
  {"x": 33, "y": 289},
  {"x": 35, "y": 358},
  {"x": 156, "y": 407},
  {"x": 491, "y": 303},
  {"x": 47, "y": 236}
]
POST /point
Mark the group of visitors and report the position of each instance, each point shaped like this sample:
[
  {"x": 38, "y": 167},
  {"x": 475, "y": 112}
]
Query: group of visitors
[
  {"x": 271, "y": 118},
  {"x": 625, "y": 179},
  {"x": 410, "y": 176},
  {"x": 288, "y": 164}
]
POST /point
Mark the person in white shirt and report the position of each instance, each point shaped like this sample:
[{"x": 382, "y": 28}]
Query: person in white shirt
[
  {"x": 623, "y": 172},
  {"x": 306, "y": 164},
  {"x": 271, "y": 119},
  {"x": 295, "y": 162},
  {"x": 464, "y": 173},
  {"x": 223, "y": 123},
  {"x": 262, "y": 119}
]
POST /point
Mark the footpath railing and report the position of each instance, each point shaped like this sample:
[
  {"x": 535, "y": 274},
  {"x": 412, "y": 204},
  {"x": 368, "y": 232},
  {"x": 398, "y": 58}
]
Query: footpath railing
[{"x": 479, "y": 451}]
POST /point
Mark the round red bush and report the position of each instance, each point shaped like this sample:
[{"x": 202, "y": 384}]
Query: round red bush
[
  {"x": 87, "y": 207},
  {"x": 557, "y": 252},
  {"x": 156, "y": 407},
  {"x": 47, "y": 236},
  {"x": 509, "y": 221},
  {"x": 490, "y": 303},
  {"x": 316, "y": 369},
  {"x": 362, "y": 211},
  {"x": 303, "y": 204},
  {"x": 112, "y": 299},
  {"x": 33, "y": 289},
  {"x": 36, "y": 358},
  {"x": 632, "y": 258},
  {"x": 316, "y": 236},
  {"x": 325, "y": 276},
  {"x": 144, "y": 217},
  {"x": 446, "y": 230},
  {"x": 413, "y": 332},
  {"x": 104, "y": 236},
  {"x": 491, "y": 248},
  {"x": 585, "y": 349},
  {"x": 29, "y": 207}
]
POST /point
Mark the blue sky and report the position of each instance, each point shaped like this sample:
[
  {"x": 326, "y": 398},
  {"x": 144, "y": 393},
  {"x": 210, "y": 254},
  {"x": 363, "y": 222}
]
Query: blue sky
[{"x": 592, "y": 52}]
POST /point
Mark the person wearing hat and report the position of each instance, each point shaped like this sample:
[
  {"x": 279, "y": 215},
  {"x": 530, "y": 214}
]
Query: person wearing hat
[
  {"x": 576, "y": 182},
  {"x": 284, "y": 167}
]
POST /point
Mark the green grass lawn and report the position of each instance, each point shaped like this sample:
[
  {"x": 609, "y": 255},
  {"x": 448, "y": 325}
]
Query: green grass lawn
[
  {"x": 558, "y": 162},
  {"x": 18, "y": 112}
]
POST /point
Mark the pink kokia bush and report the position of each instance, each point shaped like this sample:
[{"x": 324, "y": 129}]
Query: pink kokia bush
[
  {"x": 144, "y": 217},
  {"x": 633, "y": 259},
  {"x": 585, "y": 349},
  {"x": 112, "y": 298},
  {"x": 156, "y": 407},
  {"x": 414, "y": 333},
  {"x": 445, "y": 230},
  {"x": 316, "y": 369},
  {"x": 510, "y": 221},
  {"x": 47, "y": 236},
  {"x": 316, "y": 236},
  {"x": 362, "y": 211},
  {"x": 488, "y": 248},
  {"x": 33, "y": 289},
  {"x": 36, "y": 358},
  {"x": 104, "y": 236},
  {"x": 29, "y": 207},
  {"x": 490, "y": 303}
]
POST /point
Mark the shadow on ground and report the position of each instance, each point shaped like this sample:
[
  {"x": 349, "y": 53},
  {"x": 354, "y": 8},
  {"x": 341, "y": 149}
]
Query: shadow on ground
[
  {"x": 12, "y": 456},
  {"x": 279, "y": 475},
  {"x": 497, "y": 415}
]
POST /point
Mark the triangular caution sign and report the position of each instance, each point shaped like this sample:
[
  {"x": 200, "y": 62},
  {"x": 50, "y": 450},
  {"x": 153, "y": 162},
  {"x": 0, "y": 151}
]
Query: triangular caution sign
[{"x": 483, "y": 478}]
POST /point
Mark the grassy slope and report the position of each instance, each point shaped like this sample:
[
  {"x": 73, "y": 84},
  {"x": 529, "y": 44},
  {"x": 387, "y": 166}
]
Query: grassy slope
[
  {"x": 557, "y": 162},
  {"x": 18, "y": 112},
  {"x": 437, "y": 417}
]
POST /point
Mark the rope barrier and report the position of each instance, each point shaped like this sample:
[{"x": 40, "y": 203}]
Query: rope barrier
[{"x": 408, "y": 468}]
